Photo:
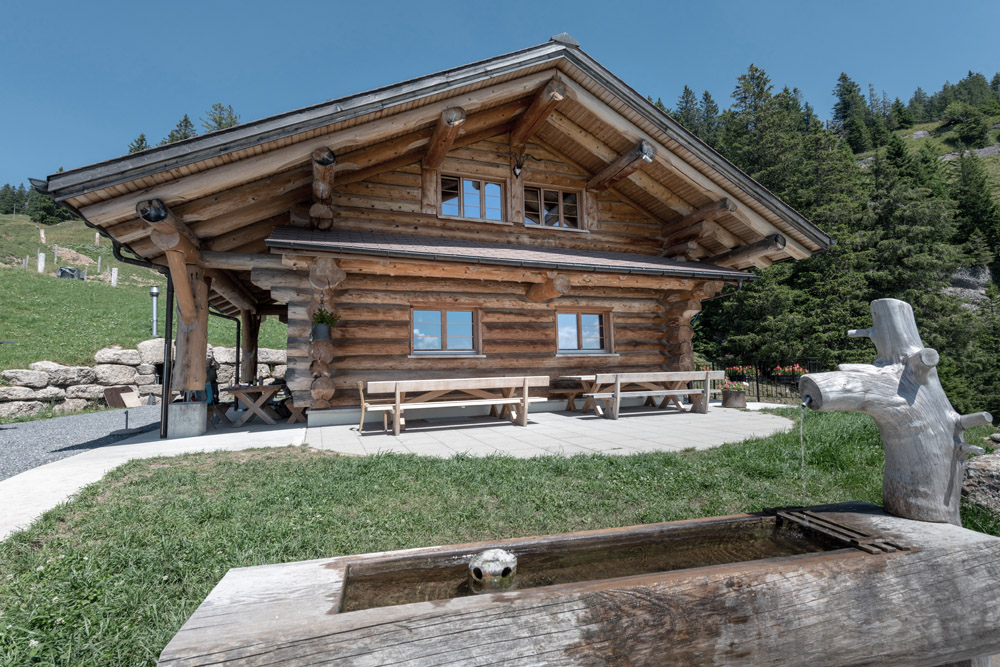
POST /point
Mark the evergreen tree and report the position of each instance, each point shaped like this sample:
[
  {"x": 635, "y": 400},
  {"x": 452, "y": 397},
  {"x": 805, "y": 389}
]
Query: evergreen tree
[
  {"x": 687, "y": 112},
  {"x": 42, "y": 210},
  {"x": 900, "y": 117},
  {"x": 8, "y": 199},
  {"x": 708, "y": 120},
  {"x": 850, "y": 114},
  {"x": 976, "y": 209},
  {"x": 219, "y": 117},
  {"x": 995, "y": 87},
  {"x": 977, "y": 250},
  {"x": 184, "y": 130},
  {"x": 138, "y": 144},
  {"x": 918, "y": 105}
]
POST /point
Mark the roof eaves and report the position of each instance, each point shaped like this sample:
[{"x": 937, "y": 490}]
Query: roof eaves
[{"x": 122, "y": 169}]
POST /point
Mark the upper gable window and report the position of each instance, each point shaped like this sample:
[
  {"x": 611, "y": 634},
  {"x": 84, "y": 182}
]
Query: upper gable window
[
  {"x": 551, "y": 208},
  {"x": 471, "y": 198}
]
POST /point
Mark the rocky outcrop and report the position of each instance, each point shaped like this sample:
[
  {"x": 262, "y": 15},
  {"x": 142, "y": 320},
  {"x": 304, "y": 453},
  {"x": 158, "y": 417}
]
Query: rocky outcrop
[
  {"x": 970, "y": 285},
  {"x": 66, "y": 389},
  {"x": 982, "y": 481}
]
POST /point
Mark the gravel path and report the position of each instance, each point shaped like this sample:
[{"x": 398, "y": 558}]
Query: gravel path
[{"x": 27, "y": 445}]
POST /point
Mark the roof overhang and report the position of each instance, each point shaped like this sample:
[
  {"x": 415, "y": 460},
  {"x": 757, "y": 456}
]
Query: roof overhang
[{"x": 413, "y": 247}]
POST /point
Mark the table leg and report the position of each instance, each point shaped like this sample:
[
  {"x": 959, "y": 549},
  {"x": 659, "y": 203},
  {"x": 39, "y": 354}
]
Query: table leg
[{"x": 256, "y": 409}]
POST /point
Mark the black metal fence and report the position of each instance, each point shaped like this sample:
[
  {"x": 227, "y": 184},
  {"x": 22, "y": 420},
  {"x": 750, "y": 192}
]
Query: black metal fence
[{"x": 768, "y": 384}]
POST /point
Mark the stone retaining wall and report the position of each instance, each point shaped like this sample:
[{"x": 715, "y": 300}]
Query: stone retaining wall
[{"x": 26, "y": 392}]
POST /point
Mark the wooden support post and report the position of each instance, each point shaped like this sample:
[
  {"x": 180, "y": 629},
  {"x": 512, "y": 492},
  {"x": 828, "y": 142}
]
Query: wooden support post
[
  {"x": 248, "y": 345},
  {"x": 552, "y": 288},
  {"x": 323, "y": 164},
  {"x": 642, "y": 154},
  {"x": 429, "y": 180},
  {"x": 678, "y": 309},
  {"x": 545, "y": 102},
  {"x": 192, "y": 337},
  {"x": 748, "y": 253},
  {"x": 182, "y": 250},
  {"x": 445, "y": 132}
]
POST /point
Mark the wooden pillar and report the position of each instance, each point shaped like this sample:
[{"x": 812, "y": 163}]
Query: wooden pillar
[
  {"x": 678, "y": 309},
  {"x": 248, "y": 345},
  {"x": 192, "y": 337}
]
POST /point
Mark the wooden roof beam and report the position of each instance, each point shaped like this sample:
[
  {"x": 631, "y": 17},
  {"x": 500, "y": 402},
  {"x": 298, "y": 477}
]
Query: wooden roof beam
[
  {"x": 181, "y": 248},
  {"x": 545, "y": 102},
  {"x": 705, "y": 213},
  {"x": 748, "y": 253},
  {"x": 445, "y": 132},
  {"x": 323, "y": 162},
  {"x": 228, "y": 288},
  {"x": 642, "y": 154},
  {"x": 704, "y": 230}
]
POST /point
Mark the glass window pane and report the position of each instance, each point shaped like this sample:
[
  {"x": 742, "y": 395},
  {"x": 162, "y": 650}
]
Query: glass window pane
[
  {"x": 569, "y": 199},
  {"x": 567, "y": 331},
  {"x": 551, "y": 207},
  {"x": 592, "y": 343},
  {"x": 531, "y": 210},
  {"x": 459, "y": 317},
  {"x": 449, "y": 196},
  {"x": 570, "y": 221},
  {"x": 426, "y": 329},
  {"x": 459, "y": 343},
  {"x": 590, "y": 320},
  {"x": 471, "y": 198}
]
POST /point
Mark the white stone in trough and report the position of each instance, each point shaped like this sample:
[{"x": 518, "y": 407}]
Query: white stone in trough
[
  {"x": 25, "y": 378},
  {"x": 111, "y": 375},
  {"x": 117, "y": 355}
]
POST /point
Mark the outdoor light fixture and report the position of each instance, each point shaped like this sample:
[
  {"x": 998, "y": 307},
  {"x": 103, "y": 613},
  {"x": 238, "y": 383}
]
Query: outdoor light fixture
[
  {"x": 154, "y": 292},
  {"x": 519, "y": 161}
]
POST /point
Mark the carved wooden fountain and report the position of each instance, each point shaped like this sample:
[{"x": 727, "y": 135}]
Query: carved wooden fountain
[{"x": 846, "y": 584}]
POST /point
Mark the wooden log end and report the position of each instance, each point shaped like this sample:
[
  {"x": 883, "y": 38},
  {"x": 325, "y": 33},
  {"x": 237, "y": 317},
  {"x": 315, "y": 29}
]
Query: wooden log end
[
  {"x": 322, "y": 350},
  {"x": 152, "y": 210},
  {"x": 324, "y": 157},
  {"x": 320, "y": 211}
]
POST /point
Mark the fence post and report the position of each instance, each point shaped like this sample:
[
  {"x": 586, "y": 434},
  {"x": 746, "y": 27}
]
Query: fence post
[{"x": 756, "y": 375}]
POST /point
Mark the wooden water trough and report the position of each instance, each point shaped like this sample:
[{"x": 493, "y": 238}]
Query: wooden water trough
[{"x": 842, "y": 584}]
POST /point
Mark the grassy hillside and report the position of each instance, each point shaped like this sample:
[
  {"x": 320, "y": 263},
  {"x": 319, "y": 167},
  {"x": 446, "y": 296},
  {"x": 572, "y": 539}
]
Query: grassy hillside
[{"x": 67, "y": 321}]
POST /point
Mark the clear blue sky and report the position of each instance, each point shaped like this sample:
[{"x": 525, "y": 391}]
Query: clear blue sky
[{"x": 82, "y": 79}]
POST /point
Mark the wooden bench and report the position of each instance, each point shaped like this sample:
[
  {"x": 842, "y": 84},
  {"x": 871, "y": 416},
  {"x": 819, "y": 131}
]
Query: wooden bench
[
  {"x": 609, "y": 389},
  {"x": 497, "y": 392}
]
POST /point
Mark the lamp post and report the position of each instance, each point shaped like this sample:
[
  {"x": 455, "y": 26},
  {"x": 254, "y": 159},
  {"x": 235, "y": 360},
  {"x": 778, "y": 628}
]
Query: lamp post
[{"x": 154, "y": 292}]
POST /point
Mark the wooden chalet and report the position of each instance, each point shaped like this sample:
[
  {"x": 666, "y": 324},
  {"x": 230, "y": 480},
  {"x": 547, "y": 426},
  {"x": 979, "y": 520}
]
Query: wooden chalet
[{"x": 526, "y": 214}]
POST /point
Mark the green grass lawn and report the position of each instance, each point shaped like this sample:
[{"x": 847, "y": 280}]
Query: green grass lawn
[{"x": 109, "y": 577}]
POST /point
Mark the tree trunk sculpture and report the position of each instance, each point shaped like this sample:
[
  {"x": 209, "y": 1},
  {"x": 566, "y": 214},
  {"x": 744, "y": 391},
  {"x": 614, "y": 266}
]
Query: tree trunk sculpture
[{"x": 921, "y": 432}]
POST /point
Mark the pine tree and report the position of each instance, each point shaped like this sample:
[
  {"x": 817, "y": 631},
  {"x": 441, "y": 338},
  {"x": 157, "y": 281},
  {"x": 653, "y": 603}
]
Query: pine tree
[
  {"x": 42, "y": 210},
  {"x": 900, "y": 116},
  {"x": 708, "y": 120},
  {"x": 976, "y": 209},
  {"x": 8, "y": 199},
  {"x": 918, "y": 105},
  {"x": 219, "y": 117},
  {"x": 184, "y": 130},
  {"x": 977, "y": 250},
  {"x": 687, "y": 111},
  {"x": 995, "y": 87},
  {"x": 850, "y": 114},
  {"x": 138, "y": 144}
]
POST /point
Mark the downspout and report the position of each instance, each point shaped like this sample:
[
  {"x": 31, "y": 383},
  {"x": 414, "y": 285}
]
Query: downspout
[{"x": 168, "y": 360}]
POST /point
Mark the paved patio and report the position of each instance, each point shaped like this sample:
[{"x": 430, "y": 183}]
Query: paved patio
[{"x": 28, "y": 495}]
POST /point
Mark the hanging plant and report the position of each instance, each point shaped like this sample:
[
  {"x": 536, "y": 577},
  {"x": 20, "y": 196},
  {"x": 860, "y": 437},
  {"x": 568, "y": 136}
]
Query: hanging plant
[{"x": 323, "y": 320}]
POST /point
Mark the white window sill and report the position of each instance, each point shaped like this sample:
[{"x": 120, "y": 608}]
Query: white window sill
[
  {"x": 438, "y": 355},
  {"x": 557, "y": 229},
  {"x": 476, "y": 220},
  {"x": 587, "y": 354}
]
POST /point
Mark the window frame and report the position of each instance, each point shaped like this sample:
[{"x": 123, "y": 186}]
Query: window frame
[
  {"x": 541, "y": 188},
  {"x": 483, "y": 180},
  {"x": 477, "y": 338},
  {"x": 607, "y": 325}
]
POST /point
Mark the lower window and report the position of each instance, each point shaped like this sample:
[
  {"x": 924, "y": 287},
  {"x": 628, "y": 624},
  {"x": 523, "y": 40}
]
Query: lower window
[
  {"x": 582, "y": 332},
  {"x": 444, "y": 331}
]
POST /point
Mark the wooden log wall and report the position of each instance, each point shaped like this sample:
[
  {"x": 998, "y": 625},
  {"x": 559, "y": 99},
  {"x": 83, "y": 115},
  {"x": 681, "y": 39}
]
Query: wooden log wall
[
  {"x": 391, "y": 202},
  {"x": 518, "y": 336}
]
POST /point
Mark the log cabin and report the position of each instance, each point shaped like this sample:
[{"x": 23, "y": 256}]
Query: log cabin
[{"x": 529, "y": 212}]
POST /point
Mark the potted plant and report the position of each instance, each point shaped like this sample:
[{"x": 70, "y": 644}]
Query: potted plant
[
  {"x": 734, "y": 394},
  {"x": 322, "y": 321}
]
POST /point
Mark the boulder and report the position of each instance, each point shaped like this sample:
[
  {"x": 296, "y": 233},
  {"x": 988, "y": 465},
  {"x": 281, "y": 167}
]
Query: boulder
[
  {"x": 50, "y": 394},
  {"x": 150, "y": 389},
  {"x": 278, "y": 372},
  {"x": 65, "y": 376},
  {"x": 144, "y": 379},
  {"x": 90, "y": 392},
  {"x": 151, "y": 351},
  {"x": 225, "y": 355},
  {"x": 45, "y": 366},
  {"x": 117, "y": 355},
  {"x": 16, "y": 394},
  {"x": 995, "y": 437},
  {"x": 145, "y": 369},
  {"x": 111, "y": 375},
  {"x": 225, "y": 374},
  {"x": 25, "y": 378},
  {"x": 70, "y": 405},
  {"x": 17, "y": 409},
  {"x": 921, "y": 134},
  {"x": 982, "y": 481},
  {"x": 263, "y": 371},
  {"x": 268, "y": 356}
]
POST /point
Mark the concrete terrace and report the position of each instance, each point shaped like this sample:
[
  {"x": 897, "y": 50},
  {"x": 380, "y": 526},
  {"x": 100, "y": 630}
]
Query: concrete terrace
[{"x": 28, "y": 495}]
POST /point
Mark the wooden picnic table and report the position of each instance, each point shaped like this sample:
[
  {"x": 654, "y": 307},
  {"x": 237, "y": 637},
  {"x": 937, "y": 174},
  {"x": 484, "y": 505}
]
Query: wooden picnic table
[
  {"x": 670, "y": 381},
  {"x": 255, "y": 398}
]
